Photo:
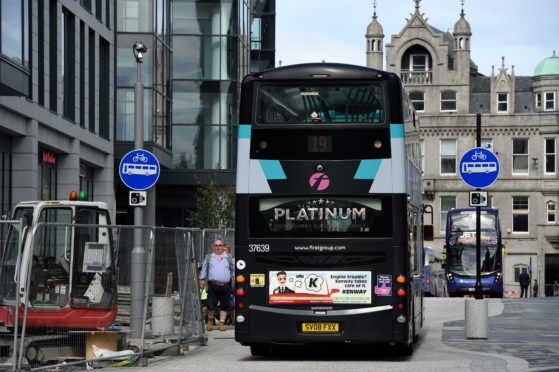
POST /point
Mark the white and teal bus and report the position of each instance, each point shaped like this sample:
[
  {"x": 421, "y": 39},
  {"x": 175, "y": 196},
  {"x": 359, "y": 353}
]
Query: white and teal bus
[{"x": 329, "y": 210}]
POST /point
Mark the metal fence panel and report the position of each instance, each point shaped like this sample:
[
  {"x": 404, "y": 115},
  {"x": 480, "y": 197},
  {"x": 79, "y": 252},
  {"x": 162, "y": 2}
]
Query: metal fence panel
[{"x": 76, "y": 283}]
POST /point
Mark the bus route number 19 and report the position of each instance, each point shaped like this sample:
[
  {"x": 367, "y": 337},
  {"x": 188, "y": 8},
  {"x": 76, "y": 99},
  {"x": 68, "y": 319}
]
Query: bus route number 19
[{"x": 260, "y": 248}]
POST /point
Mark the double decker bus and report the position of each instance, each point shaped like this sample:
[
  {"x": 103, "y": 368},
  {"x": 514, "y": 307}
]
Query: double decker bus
[
  {"x": 460, "y": 250},
  {"x": 329, "y": 210}
]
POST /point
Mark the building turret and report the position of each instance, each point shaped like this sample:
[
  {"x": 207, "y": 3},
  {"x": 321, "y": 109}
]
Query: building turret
[
  {"x": 462, "y": 35},
  {"x": 374, "y": 37}
]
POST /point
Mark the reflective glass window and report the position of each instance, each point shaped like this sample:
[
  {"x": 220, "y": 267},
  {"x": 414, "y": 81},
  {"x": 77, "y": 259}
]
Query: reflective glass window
[
  {"x": 135, "y": 15},
  {"x": 202, "y": 146},
  {"x": 126, "y": 61},
  {"x": 11, "y": 38},
  {"x": 207, "y": 57},
  {"x": 202, "y": 103},
  {"x": 204, "y": 17},
  {"x": 125, "y": 114}
]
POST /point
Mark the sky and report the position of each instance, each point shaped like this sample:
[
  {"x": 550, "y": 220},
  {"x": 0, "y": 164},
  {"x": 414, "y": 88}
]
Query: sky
[{"x": 524, "y": 32}]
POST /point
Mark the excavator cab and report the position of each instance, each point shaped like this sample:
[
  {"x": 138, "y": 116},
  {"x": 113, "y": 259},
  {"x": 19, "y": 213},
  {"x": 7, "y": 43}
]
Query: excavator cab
[{"x": 65, "y": 265}]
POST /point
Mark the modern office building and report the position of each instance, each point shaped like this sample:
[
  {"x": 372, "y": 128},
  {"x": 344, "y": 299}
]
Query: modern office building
[
  {"x": 147, "y": 21},
  {"x": 56, "y": 95},
  {"x": 207, "y": 47},
  {"x": 263, "y": 35},
  {"x": 520, "y": 124}
]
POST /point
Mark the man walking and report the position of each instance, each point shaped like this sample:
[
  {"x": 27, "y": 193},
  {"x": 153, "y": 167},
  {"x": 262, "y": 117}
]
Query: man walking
[
  {"x": 524, "y": 280},
  {"x": 217, "y": 275}
]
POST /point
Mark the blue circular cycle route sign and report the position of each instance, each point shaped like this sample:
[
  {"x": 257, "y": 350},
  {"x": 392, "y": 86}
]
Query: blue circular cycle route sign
[
  {"x": 139, "y": 169},
  {"x": 479, "y": 167}
]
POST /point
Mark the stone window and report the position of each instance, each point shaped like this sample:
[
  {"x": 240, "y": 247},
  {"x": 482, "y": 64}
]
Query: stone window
[
  {"x": 520, "y": 214},
  {"x": 520, "y": 156},
  {"x": 538, "y": 101},
  {"x": 448, "y": 156},
  {"x": 551, "y": 212},
  {"x": 550, "y": 156},
  {"x": 417, "y": 98},
  {"x": 447, "y": 203},
  {"x": 448, "y": 100},
  {"x": 549, "y": 101}
]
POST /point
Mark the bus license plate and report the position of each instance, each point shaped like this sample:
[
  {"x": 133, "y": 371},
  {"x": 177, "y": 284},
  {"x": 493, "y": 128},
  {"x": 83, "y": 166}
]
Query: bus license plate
[{"x": 321, "y": 327}]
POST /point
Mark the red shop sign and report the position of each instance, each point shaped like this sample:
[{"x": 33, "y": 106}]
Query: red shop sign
[{"x": 49, "y": 157}]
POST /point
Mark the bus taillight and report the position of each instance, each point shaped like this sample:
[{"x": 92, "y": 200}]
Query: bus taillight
[
  {"x": 400, "y": 306},
  {"x": 240, "y": 278},
  {"x": 240, "y": 292},
  {"x": 400, "y": 279},
  {"x": 240, "y": 305},
  {"x": 401, "y": 292}
]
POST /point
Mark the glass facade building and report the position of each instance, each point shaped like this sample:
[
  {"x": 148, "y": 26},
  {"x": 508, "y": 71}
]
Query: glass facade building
[
  {"x": 209, "y": 43},
  {"x": 199, "y": 51},
  {"x": 147, "y": 21},
  {"x": 263, "y": 35}
]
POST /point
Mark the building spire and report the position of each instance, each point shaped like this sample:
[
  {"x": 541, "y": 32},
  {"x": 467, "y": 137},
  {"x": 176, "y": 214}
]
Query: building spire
[
  {"x": 462, "y": 12},
  {"x": 417, "y": 7},
  {"x": 374, "y": 8}
]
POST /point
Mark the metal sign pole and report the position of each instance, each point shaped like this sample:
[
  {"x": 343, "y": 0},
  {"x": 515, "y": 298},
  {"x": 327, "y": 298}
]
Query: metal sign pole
[
  {"x": 478, "y": 286},
  {"x": 138, "y": 259}
]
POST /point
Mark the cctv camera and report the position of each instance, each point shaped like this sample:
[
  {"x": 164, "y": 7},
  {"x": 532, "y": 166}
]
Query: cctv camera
[{"x": 139, "y": 50}]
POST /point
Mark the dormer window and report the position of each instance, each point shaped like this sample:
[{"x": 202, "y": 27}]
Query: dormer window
[
  {"x": 502, "y": 102},
  {"x": 419, "y": 62}
]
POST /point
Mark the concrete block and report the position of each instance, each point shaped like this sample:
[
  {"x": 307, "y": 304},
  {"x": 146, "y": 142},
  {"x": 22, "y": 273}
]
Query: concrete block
[{"x": 476, "y": 318}]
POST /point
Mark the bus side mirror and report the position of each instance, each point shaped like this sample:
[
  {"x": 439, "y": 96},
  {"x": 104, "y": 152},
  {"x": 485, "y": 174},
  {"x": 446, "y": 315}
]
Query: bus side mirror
[{"x": 428, "y": 233}]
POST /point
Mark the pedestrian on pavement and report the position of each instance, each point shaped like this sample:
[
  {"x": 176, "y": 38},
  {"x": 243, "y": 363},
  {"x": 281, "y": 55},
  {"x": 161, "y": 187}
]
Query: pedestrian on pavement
[
  {"x": 524, "y": 280},
  {"x": 217, "y": 276},
  {"x": 536, "y": 287}
]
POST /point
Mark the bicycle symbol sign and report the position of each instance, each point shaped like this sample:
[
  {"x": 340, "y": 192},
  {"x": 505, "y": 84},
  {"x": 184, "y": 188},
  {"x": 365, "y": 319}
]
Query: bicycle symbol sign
[
  {"x": 139, "y": 169},
  {"x": 479, "y": 155},
  {"x": 479, "y": 167}
]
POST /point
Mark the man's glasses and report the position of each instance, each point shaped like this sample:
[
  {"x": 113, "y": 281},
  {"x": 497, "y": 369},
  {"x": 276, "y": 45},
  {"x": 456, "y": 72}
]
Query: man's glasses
[{"x": 218, "y": 245}]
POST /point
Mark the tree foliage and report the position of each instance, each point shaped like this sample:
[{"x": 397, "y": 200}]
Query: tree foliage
[{"x": 215, "y": 206}]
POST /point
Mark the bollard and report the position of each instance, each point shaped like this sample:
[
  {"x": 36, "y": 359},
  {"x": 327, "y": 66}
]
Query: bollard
[{"x": 476, "y": 318}]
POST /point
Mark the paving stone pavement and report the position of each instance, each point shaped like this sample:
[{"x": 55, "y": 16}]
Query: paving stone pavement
[{"x": 527, "y": 329}]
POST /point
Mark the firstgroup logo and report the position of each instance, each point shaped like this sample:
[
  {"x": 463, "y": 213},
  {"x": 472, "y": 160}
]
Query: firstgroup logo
[{"x": 319, "y": 181}]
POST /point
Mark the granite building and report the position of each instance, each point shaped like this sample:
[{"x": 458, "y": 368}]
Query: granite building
[{"x": 520, "y": 124}]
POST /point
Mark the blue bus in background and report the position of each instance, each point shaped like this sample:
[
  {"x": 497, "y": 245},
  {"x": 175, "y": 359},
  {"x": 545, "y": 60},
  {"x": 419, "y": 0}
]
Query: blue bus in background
[
  {"x": 460, "y": 248},
  {"x": 434, "y": 282}
]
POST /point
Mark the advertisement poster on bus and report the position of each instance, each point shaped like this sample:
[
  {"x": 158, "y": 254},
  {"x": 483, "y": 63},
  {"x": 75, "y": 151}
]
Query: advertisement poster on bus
[{"x": 296, "y": 287}]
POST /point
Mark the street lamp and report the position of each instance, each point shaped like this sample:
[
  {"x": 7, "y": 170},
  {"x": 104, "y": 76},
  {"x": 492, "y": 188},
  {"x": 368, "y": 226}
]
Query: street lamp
[{"x": 138, "y": 259}]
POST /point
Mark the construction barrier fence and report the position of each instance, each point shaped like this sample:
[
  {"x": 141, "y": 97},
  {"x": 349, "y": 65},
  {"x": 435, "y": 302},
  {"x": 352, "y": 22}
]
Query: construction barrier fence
[{"x": 95, "y": 293}]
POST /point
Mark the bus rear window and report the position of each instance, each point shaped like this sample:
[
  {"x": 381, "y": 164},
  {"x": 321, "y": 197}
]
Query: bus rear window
[
  {"x": 284, "y": 104},
  {"x": 320, "y": 217},
  {"x": 466, "y": 221}
]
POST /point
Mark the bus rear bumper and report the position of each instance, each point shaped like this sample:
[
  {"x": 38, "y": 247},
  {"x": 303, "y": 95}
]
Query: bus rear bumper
[{"x": 285, "y": 326}]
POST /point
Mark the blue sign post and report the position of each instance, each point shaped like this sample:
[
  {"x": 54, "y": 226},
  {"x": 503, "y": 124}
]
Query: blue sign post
[
  {"x": 139, "y": 169},
  {"x": 479, "y": 167}
]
